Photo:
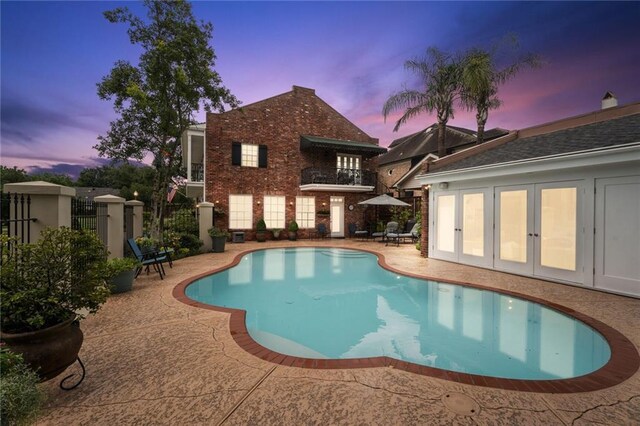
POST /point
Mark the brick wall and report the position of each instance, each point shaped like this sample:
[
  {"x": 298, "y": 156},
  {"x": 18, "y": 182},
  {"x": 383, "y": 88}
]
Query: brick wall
[
  {"x": 278, "y": 123},
  {"x": 397, "y": 169}
]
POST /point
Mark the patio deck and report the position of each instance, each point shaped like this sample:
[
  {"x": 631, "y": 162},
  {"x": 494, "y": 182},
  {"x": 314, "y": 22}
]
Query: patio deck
[{"x": 151, "y": 359}]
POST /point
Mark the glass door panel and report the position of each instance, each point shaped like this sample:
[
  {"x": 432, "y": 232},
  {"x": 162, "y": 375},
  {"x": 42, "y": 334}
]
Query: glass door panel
[
  {"x": 514, "y": 229},
  {"x": 446, "y": 212},
  {"x": 558, "y": 228},
  {"x": 558, "y": 231},
  {"x": 513, "y": 226},
  {"x": 473, "y": 224}
]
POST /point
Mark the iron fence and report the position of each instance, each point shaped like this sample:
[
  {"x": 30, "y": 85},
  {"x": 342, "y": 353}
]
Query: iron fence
[
  {"x": 15, "y": 216},
  {"x": 90, "y": 216}
]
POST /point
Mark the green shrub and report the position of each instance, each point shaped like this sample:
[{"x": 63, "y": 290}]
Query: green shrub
[
  {"x": 50, "y": 281},
  {"x": 217, "y": 232},
  {"x": 121, "y": 264},
  {"x": 20, "y": 397},
  {"x": 261, "y": 225},
  {"x": 190, "y": 242},
  {"x": 182, "y": 221},
  {"x": 293, "y": 226}
]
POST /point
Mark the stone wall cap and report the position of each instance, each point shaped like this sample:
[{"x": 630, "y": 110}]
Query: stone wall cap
[
  {"x": 134, "y": 203},
  {"x": 205, "y": 204},
  {"x": 40, "y": 188},
  {"x": 109, "y": 199}
]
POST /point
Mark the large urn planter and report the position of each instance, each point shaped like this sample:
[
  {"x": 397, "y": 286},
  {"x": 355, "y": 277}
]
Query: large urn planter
[
  {"x": 123, "y": 282},
  {"x": 48, "y": 351},
  {"x": 218, "y": 244}
]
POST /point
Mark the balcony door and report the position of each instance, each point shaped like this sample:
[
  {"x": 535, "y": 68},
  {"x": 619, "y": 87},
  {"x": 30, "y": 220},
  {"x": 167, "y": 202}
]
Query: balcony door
[
  {"x": 538, "y": 230},
  {"x": 348, "y": 169}
]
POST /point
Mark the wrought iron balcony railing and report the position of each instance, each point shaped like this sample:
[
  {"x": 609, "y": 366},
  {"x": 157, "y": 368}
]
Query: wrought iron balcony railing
[
  {"x": 197, "y": 172},
  {"x": 329, "y": 176}
]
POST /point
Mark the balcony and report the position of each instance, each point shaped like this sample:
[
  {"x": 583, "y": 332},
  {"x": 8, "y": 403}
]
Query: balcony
[
  {"x": 337, "y": 180},
  {"x": 197, "y": 172}
]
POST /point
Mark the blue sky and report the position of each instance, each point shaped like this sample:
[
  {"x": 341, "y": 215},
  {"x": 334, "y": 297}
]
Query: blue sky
[{"x": 352, "y": 53}]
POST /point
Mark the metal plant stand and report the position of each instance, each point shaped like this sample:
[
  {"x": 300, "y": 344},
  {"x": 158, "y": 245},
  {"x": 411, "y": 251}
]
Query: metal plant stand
[{"x": 62, "y": 382}]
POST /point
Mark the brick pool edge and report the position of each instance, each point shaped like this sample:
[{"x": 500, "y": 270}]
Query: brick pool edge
[{"x": 623, "y": 364}]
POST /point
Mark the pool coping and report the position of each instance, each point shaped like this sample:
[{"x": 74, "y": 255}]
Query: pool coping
[{"x": 623, "y": 364}]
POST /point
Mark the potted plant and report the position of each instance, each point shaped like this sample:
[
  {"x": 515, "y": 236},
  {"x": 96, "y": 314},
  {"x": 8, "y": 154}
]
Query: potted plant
[
  {"x": 293, "y": 230},
  {"x": 20, "y": 397},
  {"x": 122, "y": 271},
  {"x": 276, "y": 233},
  {"x": 45, "y": 289},
  {"x": 261, "y": 231},
  {"x": 219, "y": 238}
]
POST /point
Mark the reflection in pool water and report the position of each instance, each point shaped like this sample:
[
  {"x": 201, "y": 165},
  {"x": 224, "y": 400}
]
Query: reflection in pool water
[{"x": 337, "y": 303}]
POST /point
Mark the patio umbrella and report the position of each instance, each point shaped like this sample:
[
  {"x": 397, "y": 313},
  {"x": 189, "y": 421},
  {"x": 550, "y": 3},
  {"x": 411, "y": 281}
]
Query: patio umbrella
[{"x": 384, "y": 200}]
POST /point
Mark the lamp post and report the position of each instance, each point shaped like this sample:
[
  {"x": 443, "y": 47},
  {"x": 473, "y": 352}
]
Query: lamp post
[{"x": 135, "y": 195}]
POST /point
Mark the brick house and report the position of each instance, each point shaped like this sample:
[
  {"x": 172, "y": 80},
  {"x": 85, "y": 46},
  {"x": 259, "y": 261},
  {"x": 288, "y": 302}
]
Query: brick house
[{"x": 291, "y": 156}]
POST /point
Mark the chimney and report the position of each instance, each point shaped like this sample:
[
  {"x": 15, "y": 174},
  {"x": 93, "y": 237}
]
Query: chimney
[{"x": 609, "y": 100}]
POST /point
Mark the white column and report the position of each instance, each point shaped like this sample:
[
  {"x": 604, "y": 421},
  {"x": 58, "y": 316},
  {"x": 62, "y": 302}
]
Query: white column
[
  {"x": 50, "y": 205},
  {"x": 138, "y": 207},
  {"x": 115, "y": 224},
  {"x": 205, "y": 212}
]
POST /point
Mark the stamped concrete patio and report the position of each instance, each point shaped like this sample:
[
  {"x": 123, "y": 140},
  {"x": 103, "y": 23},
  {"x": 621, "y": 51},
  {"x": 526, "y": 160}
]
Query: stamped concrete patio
[{"x": 151, "y": 359}]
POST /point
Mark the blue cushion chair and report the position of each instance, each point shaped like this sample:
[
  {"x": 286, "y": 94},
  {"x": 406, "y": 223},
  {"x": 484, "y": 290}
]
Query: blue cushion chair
[{"x": 148, "y": 258}]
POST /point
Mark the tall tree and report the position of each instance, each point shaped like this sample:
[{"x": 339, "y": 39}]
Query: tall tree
[
  {"x": 157, "y": 99},
  {"x": 439, "y": 73},
  {"x": 481, "y": 76}
]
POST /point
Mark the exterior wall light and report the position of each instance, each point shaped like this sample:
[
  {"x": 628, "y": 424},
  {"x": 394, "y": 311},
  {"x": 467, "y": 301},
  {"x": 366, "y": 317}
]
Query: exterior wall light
[{"x": 443, "y": 185}]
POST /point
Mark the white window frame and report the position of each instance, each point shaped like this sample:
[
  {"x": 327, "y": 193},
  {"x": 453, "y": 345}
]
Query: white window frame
[
  {"x": 306, "y": 212},
  {"x": 274, "y": 211},
  {"x": 240, "y": 211},
  {"x": 249, "y": 155}
]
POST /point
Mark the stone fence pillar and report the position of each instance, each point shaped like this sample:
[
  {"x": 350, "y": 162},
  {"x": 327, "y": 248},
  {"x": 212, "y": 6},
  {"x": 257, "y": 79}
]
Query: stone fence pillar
[
  {"x": 50, "y": 205},
  {"x": 138, "y": 207},
  {"x": 114, "y": 223},
  {"x": 205, "y": 212}
]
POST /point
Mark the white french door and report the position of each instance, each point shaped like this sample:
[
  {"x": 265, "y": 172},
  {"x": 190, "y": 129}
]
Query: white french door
[
  {"x": 617, "y": 239},
  {"x": 462, "y": 222},
  {"x": 337, "y": 217},
  {"x": 538, "y": 230}
]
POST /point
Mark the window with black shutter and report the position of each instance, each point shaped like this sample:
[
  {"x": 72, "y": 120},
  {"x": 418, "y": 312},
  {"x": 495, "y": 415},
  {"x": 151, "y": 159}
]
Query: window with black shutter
[
  {"x": 262, "y": 156},
  {"x": 236, "y": 153}
]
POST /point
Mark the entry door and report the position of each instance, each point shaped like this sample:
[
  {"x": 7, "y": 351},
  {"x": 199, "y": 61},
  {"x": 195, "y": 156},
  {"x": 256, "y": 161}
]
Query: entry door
[
  {"x": 462, "y": 222},
  {"x": 617, "y": 238},
  {"x": 538, "y": 230},
  {"x": 337, "y": 217}
]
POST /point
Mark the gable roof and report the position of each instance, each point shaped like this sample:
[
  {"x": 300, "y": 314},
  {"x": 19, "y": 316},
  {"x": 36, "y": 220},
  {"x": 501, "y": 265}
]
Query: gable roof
[
  {"x": 425, "y": 142},
  {"x": 365, "y": 148},
  {"x": 529, "y": 145}
]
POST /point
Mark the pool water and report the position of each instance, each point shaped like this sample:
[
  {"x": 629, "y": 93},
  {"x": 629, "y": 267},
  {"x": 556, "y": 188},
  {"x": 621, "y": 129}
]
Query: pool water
[{"x": 339, "y": 303}]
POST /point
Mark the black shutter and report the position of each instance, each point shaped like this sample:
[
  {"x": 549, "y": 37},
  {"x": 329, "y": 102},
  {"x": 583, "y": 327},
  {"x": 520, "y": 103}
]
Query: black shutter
[
  {"x": 262, "y": 156},
  {"x": 236, "y": 154}
]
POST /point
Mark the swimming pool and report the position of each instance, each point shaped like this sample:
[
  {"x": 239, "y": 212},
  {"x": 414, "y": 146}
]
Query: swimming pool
[{"x": 328, "y": 303}]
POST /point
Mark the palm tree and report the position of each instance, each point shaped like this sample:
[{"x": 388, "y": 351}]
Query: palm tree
[
  {"x": 440, "y": 76},
  {"x": 480, "y": 79}
]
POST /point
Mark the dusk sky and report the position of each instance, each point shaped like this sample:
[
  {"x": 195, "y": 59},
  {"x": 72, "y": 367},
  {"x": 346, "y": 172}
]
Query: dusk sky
[{"x": 351, "y": 53}]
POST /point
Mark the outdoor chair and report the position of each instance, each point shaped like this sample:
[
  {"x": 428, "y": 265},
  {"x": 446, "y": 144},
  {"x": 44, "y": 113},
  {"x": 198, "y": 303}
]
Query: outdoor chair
[
  {"x": 412, "y": 234},
  {"x": 148, "y": 258},
  {"x": 354, "y": 232},
  {"x": 321, "y": 231},
  {"x": 392, "y": 227}
]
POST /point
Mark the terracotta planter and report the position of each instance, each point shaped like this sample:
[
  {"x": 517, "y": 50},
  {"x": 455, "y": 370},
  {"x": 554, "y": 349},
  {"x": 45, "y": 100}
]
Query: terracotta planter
[
  {"x": 48, "y": 351},
  {"x": 261, "y": 236},
  {"x": 123, "y": 281}
]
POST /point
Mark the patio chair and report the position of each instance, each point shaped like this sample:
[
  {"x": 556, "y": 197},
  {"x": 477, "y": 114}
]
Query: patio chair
[
  {"x": 320, "y": 231},
  {"x": 148, "y": 258},
  {"x": 412, "y": 234},
  {"x": 354, "y": 232},
  {"x": 392, "y": 227}
]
